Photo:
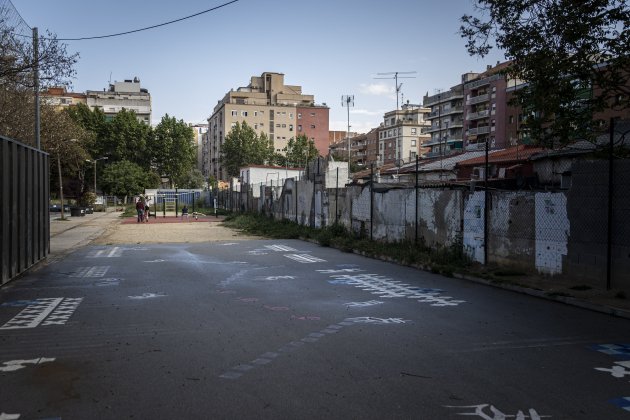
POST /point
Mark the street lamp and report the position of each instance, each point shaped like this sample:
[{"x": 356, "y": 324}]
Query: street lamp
[{"x": 94, "y": 161}]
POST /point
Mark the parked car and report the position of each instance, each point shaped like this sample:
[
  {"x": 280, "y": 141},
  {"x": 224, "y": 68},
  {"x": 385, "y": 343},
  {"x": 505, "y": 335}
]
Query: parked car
[{"x": 57, "y": 208}]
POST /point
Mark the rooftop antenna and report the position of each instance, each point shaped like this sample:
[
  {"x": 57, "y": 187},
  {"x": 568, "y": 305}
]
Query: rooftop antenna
[
  {"x": 395, "y": 75},
  {"x": 348, "y": 101}
]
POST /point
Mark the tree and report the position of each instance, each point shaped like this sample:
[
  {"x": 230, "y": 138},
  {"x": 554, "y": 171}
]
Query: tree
[
  {"x": 16, "y": 75},
  {"x": 192, "y": 179},
  {"x": 574, "y": 58},
  {"x": 244, "y": 147},
  {"x": 125, "y": 178},
  {"x": 299, "y": 150},
  {"x": 172, "y": 148},
  {"x": 63, "y": 139},
  {"x": 125, "y": 138}
]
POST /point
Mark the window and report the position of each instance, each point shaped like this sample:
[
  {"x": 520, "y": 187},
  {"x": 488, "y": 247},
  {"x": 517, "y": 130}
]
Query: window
[
  {"x": 284, "y": 126},
  {"x": 291, "y": 115},
  {"x": 233, "y": 124},
  {"x": 255, "y": 126},
  {"x": 413, "y": 143},
  {"x": 255, "y": 113},
  {"x": 312, "y": 125},
  {"x": 243, "y": 113},
  {"x": 413, "y": 131},
  {"x": 290, "y": 127},
  {"x": 312, "y": 114},
  {"x": 277, "y": 125},
  {"x": 235, "y": 113},
  {"x": 299, "y": 115},
  {"x": 299, "y": 127}
]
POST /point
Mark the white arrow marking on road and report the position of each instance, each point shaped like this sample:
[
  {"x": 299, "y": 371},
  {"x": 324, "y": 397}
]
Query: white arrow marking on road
[{"x": 14, "y": 365}]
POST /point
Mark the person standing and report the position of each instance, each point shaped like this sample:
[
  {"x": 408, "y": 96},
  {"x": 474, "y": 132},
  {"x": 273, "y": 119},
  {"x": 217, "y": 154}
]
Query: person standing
[
  {"x": 140, "y": 210},
  {"x": 147, "y": 211}
]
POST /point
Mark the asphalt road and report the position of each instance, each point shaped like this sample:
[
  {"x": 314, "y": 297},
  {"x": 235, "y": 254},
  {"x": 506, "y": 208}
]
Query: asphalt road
[{"x": 290, "y": 330}]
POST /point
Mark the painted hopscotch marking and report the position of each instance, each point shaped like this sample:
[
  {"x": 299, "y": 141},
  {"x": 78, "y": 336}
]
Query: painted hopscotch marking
[
  {"x": 280, "y": 248},
  {"x": 47, "y": 311},
  {"x": 95, "y": 271},
  {"x": 613, "y": 349},
  {"x": 363, "y": 304},
  {"x": 115, "y": 252},
  {"x": 63, "y": 312},
  {"x": 623, "y": 403},
  {"x": 341, "y": 270},
  {"x": 386, "y": 287},
  {"x": 304, "y": 258},
  {"x": 494, "y": 413},
  {"x": 13, "y": 365},
  {"x": 257, "y": 252},
  {"x": 239, "y": 370}
]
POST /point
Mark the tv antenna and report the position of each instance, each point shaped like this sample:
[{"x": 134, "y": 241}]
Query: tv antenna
[
  {"x": 395, "y": 75},
  {"x": 348, "y": 101}
]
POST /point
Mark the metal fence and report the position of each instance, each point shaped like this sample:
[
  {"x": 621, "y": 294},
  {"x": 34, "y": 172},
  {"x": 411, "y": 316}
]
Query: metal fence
[{"x": 24, "y": 197}]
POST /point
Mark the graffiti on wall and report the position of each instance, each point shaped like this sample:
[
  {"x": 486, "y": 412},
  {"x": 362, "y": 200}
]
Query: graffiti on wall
[{"x": 552, "y": 231}]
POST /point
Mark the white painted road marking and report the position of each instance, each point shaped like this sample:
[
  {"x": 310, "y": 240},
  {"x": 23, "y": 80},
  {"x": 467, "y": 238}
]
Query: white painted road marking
[
  {"x": 619, "y": 371},
  {"x": 304, "y": 258},
  {"x": 5, "y": 416},
  {"x": 103, "y": 253},
  {"x": 496, "y": 414},
  {"x": 279, "y": 248},
  {"x": 55, "y": 311},
  {"x": 147, "y": 296},
  {"x": 95, "y": 271},
  {"x": 13, "y": 365}
]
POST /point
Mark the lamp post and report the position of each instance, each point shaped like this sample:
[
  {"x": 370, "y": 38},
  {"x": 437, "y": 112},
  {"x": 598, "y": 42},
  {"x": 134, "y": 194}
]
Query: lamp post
[{"x": 94, "y": 161}]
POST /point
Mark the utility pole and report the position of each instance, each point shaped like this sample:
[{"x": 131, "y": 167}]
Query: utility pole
[
  {"x": 396, "y": 77},
  {"x": 348, "y": 101},
  {"x": 36, "y": 89}
]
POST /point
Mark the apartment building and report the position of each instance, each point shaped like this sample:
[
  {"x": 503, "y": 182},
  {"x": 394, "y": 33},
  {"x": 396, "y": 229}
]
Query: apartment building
[
  {"x": 403, "y": 134},
  {"x": 486, "y": 108},
  {"x": 271, "y": 107},
  {"x": 60, "y": 98},
  {"x": 199, "y": 131},
  {"x": 446, "y": 121},
  {"x": 127, "y": 95}
]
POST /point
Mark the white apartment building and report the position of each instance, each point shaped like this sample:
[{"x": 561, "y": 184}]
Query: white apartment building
[
  {"x": 122, "y": 95},
  {"x": 403, "y": 134},
  {"x": 268, "y": 106}
]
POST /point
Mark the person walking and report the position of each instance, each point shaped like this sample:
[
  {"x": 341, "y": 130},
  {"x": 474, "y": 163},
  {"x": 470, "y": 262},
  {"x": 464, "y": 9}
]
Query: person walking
[
  {"x": 147, "y": 211},
  {"x": 140, "y": 210}
]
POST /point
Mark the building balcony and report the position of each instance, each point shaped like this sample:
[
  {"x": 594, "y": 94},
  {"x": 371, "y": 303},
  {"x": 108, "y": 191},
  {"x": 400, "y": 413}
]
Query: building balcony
[
  {"x": 478, "y": 99},
  {"x": 477, "y": 115},
  {"x": 478, "y": 130},
  {"x": 430, "y": 143},
  {"x": 452, "y": 110},
  {"x": 443, "y": 97}
]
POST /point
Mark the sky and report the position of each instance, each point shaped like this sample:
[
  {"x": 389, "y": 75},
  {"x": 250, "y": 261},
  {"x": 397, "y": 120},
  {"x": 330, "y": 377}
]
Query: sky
[{"x": 329, "y": 47}]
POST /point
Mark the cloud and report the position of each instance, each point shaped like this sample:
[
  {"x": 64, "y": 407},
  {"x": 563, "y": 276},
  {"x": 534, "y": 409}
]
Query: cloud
[
  {"x": 378, "y": 89},
  {"x": 366, "y": 112}
]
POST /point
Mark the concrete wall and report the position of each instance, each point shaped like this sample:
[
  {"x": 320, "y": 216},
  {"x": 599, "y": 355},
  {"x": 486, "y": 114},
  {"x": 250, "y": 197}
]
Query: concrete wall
[{"x": 561, "y": 233}]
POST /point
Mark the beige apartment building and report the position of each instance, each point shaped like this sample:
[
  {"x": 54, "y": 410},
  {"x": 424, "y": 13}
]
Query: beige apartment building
[
  {"x": 268, "y": 106},
  {"x": 122, "y": 95},
  {"x": 403, "y": 134}
]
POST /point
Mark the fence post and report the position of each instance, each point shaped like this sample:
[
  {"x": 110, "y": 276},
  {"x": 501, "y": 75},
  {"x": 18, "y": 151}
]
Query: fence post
[
  {"x": 610, "y": 205},
  {"x": 485, "y": 209},
  {"x": 337, "y": 198},
  {"x": 296, "y": 203},
  {"x": 371, "y": 199},
  {"x": 416, "y": 219}
]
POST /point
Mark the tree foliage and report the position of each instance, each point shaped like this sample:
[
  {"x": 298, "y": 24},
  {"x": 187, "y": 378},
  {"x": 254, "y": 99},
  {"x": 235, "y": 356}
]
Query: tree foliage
[
  {"x": 125, "y": 178},
  {"x": 172, "y": 148},
  {"x": 191, "y": 179},
  {"x": 299, "y": 150},
  {"x": 17, "y": 63},
  {"x": 574, "y": 58},
  {"x": 244, "y": 147},
  {"x": 125, "y": 138}
]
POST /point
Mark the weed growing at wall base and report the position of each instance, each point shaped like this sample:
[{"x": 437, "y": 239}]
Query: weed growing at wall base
[{"x": 444, "y": 260}]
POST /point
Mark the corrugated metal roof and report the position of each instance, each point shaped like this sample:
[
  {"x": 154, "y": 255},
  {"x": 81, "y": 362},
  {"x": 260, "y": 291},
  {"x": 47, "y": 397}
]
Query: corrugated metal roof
[{"x": 512, "y": 154}]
